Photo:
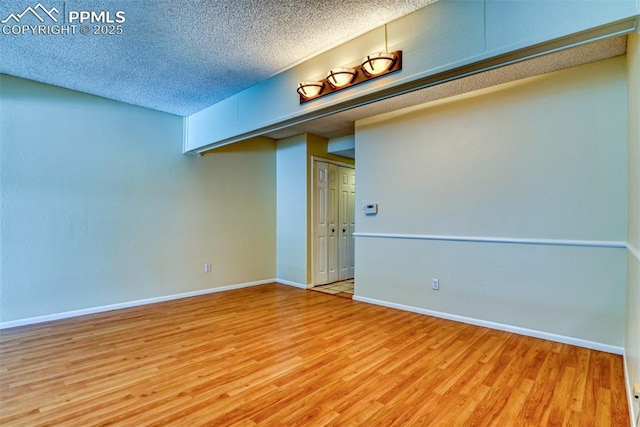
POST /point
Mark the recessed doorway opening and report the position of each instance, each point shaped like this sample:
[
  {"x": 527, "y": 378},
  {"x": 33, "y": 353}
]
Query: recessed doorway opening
[{"x": 333, "y": 225}]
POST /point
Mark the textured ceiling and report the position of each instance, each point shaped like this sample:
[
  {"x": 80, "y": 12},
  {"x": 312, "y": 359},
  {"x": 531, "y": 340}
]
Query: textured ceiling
[{"x": 181, "y": 56}]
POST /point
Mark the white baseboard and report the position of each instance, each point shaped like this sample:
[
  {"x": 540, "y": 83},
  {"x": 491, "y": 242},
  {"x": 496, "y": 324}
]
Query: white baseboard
[
  {"x": 290, "y": 283},
  {"x": 93, "y": 310},
  {"x": 499, "y": 326},
  {"x": 629, "y": 389}
]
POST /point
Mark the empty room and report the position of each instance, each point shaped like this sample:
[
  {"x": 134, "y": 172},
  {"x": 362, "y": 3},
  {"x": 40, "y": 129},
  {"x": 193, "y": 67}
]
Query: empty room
[{"x": 416, "y": 213}]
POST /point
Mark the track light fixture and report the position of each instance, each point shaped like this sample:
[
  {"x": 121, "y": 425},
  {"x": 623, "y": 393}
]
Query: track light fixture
[{"x": 373, "y": 66}]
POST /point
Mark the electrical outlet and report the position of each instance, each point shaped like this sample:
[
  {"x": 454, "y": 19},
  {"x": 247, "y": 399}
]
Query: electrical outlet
[
  {"x": 636, "y": 392},
  {"x": 207, "y": 267},
  {"x": 435, "y": 284}
]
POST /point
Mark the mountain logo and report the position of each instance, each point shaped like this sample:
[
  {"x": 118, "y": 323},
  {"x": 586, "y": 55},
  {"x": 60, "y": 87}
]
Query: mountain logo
[{"x": 38, "y": 11}]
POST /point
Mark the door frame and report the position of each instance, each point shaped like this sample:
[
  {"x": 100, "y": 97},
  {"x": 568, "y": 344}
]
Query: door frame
[{"x": 312, "y": 184}]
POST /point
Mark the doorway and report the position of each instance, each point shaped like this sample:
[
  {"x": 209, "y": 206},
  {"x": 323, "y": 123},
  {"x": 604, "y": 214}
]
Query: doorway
[{"x": 333, "y": 219}]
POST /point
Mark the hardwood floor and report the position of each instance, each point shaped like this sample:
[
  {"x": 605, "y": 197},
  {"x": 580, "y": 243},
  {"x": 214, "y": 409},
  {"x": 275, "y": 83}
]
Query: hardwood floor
[{"x": 277, "y": 355}]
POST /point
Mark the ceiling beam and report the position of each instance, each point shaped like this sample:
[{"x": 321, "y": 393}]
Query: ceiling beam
[{"x": 443, "y": 42}]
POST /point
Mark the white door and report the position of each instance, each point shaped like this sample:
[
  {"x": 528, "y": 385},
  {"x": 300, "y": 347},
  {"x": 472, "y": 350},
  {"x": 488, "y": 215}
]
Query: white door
[
  {"x": 346, "y": 217},
  {"x": 352, "y": 223},
  {"x": 320, "y": 222},
  {"x": 333, "y": 222}
]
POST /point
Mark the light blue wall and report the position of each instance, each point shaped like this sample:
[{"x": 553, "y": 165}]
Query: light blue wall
[
  {"x": 99, "y": 206},
  {"x": 292, "y": 210},
  {"x": 632, "y": 338},
  {"x": 513, "y": 24},
  {"x": 545, "y": 159}
]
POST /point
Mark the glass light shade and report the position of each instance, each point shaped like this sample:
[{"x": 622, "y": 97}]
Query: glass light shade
[
  {"x": 310, "y": 89},
  {"x": 339, "y": 77},
  {"x": 378, "y": 63}
]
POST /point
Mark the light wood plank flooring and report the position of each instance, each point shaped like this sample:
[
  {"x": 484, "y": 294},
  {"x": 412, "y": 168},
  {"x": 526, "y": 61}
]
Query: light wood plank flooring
[{"x": 277, "y": 355}]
